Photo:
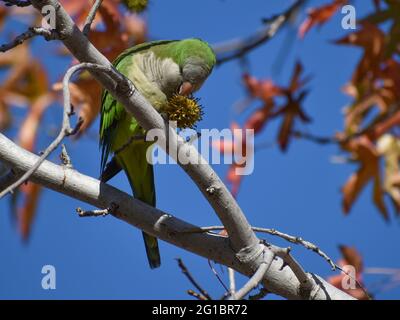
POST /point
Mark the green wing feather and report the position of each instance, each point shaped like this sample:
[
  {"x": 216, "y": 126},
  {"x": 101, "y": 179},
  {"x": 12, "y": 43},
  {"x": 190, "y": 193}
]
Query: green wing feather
[
  {"x": 111, "y": 110},
  {"x": 116, "y": 127}
]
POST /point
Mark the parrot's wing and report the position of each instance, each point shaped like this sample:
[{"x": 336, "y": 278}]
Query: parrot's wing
[
  {"x": 139, "y": 48},
  {"x": 111, "y": 110}
]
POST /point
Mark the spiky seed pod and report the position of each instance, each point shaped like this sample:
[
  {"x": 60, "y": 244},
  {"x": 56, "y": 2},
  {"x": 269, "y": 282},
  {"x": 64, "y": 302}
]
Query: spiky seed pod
[
  {"x": 136, "y": 5},
  {"x": 184, "y": 110}
]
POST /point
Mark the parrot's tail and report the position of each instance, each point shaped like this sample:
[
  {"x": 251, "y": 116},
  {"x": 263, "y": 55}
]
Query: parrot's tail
[
  {"x": 153, "y": 253},
  {"x": 141, "y": 178}
]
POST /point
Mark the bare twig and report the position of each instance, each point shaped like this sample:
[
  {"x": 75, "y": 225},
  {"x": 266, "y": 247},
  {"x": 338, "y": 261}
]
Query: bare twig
[
  {"x": 96, "y": 213},
  {"x": 91, "y": 16},
  {"x": 66, "y": 128},
  {"x": 187, "y": 274},
  {"x": 256, "y": 279},
  {"x": 197, "y": 295},
  {"x": 232, "y": 282},
  {"x": 17, "y": 3},
  {"x": 314, "y": 138},
  {"x": 32, "y": 32},
  {"x": 65, "y": 158},
  {"x": 237, "y": 48},
  {"x": 293, "y": 239},
  {"x": 217, "y": 276}
]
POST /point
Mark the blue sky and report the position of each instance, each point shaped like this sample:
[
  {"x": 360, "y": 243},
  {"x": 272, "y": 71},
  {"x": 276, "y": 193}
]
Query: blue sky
[{"x": 297, "y": 192}]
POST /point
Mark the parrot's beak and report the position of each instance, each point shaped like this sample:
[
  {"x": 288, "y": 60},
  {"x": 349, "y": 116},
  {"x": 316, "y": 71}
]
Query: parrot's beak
[{"x": 186, "y": 88}]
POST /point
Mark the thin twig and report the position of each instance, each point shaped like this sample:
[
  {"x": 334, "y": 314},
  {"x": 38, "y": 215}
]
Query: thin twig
[
  {"x": 232, "y": 282},
  {"x": 47, "y": 34},
  {"x": 314, "y": 138},
  {"x": 197, "y": 295},
  {"x": 96, "y": 213},
  {"x": 234, "y": 49},
  {"x": 66, "y": 129},
  {"x": 217, "y": 276},
  {"x": 17, "y": 3},
  {"x": 293, "y": 239},
  {"x": 65, "y": 158},
  {"x": 91, "y": 16},
  {"x": 186, "y": 272},
  {"x": 255, "y": 280}
]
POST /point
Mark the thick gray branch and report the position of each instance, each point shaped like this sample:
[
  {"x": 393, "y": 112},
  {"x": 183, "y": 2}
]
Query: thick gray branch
[{"x": 279, "y": 278}]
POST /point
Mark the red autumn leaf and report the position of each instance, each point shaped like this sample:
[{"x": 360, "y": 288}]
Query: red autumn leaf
[
  {"x": 258, "y": 118},
  {"x": 365, "y": 152},
  {"x": 319, "y": 16},
  {"x": 372, "y": 40},
  {"x": 265, "y": 90},
  {"x": 27, "y": 211},
  {"x": 237, "y": 148},
  {"x": 291, "y": 111},
  {"x": 27, "y": 139},
  {"x": 352, "y": 257}
]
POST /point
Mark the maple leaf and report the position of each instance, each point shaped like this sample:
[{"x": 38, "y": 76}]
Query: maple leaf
[
  {"x": 372, "y": 40},
  {"x": 319, "y": 16},
  {"x": 234, "y": 148},
  {"x": 389, "y": 15},
  {"x": 365, "y": 152},
  {"x": 292, "y": 109},
  {"x": 265, "y": 90},
  {"x": 27, "y": 137}
]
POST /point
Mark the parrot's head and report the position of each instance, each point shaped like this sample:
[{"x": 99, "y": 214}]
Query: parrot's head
[{"x": 196, "y": 61}]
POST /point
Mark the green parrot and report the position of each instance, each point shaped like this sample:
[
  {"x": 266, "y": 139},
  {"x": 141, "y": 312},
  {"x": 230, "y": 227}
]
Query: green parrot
[{"x": 159, "y": 70}]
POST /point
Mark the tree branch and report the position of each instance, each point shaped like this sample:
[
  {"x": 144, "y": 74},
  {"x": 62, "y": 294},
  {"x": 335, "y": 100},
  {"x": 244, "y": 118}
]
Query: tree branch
[
  {"x": 293, "y": 239},
  {"x": 17, "y": 3},
  {"x": 91, "y": 16},
  {"x": 241, "y": 251},
  {"x": 187, "y": 274},
  {"x": 306, "y": 283},
  {"x": 278, "y": 280},
  {"x": 256, "y": 279},
  {"x": 238, "y": 48},
  {"x": 32, "y": 32}
]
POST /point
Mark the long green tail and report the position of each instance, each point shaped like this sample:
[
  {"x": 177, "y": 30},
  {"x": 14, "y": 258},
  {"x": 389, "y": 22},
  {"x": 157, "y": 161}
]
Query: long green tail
[{"x": 141, "y": 178}]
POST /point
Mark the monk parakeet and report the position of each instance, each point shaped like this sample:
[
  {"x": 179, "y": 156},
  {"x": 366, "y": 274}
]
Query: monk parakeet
[{"x": 160, "y": 70}]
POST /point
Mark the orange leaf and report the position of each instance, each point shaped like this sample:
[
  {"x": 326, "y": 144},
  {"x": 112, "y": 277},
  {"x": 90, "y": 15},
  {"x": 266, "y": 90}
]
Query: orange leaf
[
  {"x": 365, "y": 152},
  {"x": 319, "y": 16},
  {"x": 26, "y": 212},
  {"x": 352, "y": 257}
]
